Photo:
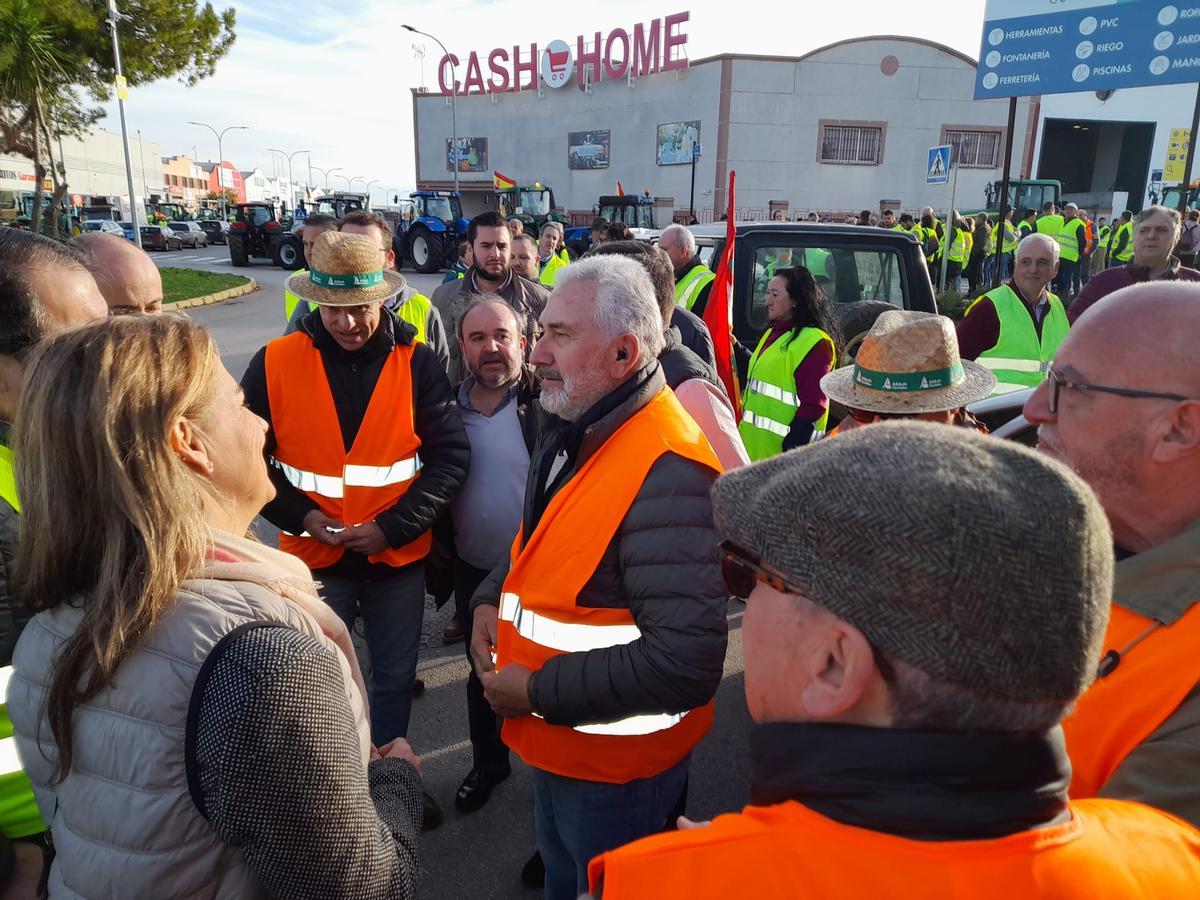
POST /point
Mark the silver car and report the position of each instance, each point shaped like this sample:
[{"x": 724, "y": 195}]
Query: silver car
[{"x": 190, "y": 234}]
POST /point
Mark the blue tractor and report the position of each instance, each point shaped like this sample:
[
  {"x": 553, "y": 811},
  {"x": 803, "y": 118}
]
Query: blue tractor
[{"x": 431, "y": 222}]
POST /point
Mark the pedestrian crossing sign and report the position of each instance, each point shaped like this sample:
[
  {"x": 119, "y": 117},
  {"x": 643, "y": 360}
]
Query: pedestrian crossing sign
[{"x": 938, "y": 170}]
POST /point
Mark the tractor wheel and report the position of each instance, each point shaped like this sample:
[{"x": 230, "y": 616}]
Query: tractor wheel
[
  {"x": 426, "y": 252},
  {"x": 237, "y": 252},
  {"x": 288, "y": 254}
]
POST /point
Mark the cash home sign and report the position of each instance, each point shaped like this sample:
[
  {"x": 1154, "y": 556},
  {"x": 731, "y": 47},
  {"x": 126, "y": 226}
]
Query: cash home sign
[{"x": 648, "y": 49}]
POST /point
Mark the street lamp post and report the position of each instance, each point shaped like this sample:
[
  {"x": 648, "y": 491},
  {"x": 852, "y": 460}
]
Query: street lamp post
[
  {"x": 113, "y": 16},
  {"x": 453, "y": 102},
  {"x": 325, "y": 173},
  {"x": 221, "y": 159},
  {"x": 291, "y": 184},
  {"x": 347, "y": 180}
]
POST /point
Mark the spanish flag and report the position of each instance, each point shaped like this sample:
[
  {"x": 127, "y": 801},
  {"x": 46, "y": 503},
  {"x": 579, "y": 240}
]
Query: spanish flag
[
  {"x": 620, "y": 190},
  {"x": 502, "y": 182}
]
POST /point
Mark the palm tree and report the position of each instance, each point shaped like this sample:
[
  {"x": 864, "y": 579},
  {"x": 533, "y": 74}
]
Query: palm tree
[{"x": 31, "y": 68}]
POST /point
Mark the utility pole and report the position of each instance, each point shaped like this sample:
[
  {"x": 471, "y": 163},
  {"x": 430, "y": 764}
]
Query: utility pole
[
  {"x": 220, "y": 135},
  {"x": 122, "y": 92},
  {"x": 453, "y": 101}
]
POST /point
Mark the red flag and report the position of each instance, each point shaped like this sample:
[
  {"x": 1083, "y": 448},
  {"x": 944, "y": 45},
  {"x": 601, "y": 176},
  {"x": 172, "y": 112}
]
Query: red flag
[
  {"x": 718, "y": 313},
  {"x": 620, "y": 190}
]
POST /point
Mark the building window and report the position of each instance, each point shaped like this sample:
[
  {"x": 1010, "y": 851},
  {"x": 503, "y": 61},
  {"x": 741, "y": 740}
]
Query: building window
[
  {"x": 851, "y": 143},
  {"x": 974, "y": 149}
]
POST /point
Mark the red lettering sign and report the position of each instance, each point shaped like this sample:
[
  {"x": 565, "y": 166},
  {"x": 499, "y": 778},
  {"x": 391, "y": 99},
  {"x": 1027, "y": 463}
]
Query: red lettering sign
[{"x": 647, "y": 51}]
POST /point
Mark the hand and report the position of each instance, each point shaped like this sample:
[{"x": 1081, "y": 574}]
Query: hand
[
  {"x": 483, "y": 638},
  {"x": 683, "y": 823},
  {"x": 399, "y": 748},
  {"x": 316, "y": 523},
  {"x": 366, "y": 539},
  {"x": 507, "y": 690}
]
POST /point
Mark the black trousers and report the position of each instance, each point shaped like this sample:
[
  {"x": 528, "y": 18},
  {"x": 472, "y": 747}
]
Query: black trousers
[{"x": 487, "y": 750}]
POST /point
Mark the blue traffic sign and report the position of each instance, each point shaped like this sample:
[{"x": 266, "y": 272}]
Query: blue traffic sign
[
  {"x": 1036, "y": 47},
  {"x": 938, "y": 169},
  {"x": 696, "y": 150}
]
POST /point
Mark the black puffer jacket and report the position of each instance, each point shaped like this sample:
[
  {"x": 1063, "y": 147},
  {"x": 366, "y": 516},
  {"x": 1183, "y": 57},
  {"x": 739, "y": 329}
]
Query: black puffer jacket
[
  {"x": 445, "y": 451},
  {"x": 661, "y": 565},
  {"x": 12, "y": 615}
]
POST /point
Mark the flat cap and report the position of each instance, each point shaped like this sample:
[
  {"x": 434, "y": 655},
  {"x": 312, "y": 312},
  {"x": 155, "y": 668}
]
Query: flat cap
[{"x": 976, "y": 560}]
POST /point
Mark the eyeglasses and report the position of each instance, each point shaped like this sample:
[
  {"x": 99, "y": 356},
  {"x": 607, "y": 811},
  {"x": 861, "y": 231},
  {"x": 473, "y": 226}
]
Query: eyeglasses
[
  {"x": 866, "y": 417},
  {"x": 1058, "y": 383},
  {"x": 742, "y": 569}
]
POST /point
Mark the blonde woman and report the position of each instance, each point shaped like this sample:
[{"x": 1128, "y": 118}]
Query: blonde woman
[{"x": 190, "y": 713}]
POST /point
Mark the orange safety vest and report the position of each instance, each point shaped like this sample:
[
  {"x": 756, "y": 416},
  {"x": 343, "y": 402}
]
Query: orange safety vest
[
  {"x": 1110, "y": 850},
  {"x": 539, "y": 618},
  {"x": 352, "y": 487},
  {"x": 1158, "y": 667}
]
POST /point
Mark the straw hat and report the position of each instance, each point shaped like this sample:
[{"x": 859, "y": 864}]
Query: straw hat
[
  {"x": 345, "y": 270},
  {"x": 909, "y": 363}
]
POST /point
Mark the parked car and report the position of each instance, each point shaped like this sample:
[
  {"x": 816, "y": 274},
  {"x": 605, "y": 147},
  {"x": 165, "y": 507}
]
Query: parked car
[
  {"x": 127, "y": 230},
  {"x": 103, "y": 226},
  {"x": 160, "y": 237},
  {"x": 190, "y": 234},
  {"x": 216, "y": 230}
]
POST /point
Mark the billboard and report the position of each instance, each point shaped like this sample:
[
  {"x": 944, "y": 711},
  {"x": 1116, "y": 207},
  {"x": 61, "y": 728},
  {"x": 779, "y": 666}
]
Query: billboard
[
  {"x": 675, "y": 143},
  {"x": 472, "y": 154},
  {"x": 588, "y": 149},
  {"x": 1177, "y": 151},
  {"x": 1038, "y": 47}
]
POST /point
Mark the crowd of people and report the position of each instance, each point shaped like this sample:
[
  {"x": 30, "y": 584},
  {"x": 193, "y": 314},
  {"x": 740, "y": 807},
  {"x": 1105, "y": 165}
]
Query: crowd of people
[{"x": 971, "y": 665}]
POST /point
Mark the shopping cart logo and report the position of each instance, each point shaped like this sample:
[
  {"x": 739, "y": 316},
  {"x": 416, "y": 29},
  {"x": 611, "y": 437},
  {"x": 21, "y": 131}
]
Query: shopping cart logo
[{"x": 558, "y": 64}]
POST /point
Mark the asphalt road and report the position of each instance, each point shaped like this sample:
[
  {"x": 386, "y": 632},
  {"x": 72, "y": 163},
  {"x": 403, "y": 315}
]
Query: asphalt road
[{"x": 480, "y": 855}]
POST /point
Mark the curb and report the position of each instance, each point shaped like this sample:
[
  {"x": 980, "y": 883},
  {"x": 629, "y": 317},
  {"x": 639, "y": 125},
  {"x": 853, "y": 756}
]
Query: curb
[{"x": 228, "y": 294}]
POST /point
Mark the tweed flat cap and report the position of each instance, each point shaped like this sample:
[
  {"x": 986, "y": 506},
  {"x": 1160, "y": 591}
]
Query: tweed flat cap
[{"x": 976, "y": 560}]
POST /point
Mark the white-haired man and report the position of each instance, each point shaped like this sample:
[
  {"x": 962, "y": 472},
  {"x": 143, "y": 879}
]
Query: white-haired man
[
  {"x": 551, "y": 255},
  {"x": 608, "y": 622},
  {"x": 1014, "y": 329},
  {"x": 693, "y": 279}
]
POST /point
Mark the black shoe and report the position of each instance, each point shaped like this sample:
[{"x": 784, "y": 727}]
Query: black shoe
[
  {"x": 533, "y": 873},
  {"x": 431, "y": 816},
  {"x": 477, "y": 787}
]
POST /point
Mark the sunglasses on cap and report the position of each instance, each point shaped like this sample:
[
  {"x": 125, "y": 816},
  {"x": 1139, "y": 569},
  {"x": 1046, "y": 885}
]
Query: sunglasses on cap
[
  {"x": 866, "y": 417},
  {"x": 742, "y": 569}
]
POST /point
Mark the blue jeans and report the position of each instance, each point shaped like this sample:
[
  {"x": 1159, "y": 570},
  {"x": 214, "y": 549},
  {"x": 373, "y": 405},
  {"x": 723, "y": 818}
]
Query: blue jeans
[
  {"x": 578, "y": 820},
  {"x": 392, "y": 608}
]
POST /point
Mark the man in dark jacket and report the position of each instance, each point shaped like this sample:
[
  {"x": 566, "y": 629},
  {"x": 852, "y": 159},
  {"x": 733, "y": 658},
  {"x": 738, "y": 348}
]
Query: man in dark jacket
[
  {"x": 605, "y": 668},
  {"x": 501, "y": 419},
  {"x": 490, "y": 273},
  {"x": 347, "y": 358},
  {"x": 44, "y": 289}
]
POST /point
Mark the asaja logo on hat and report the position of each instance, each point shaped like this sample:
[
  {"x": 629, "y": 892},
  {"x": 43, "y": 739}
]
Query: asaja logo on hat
[
  {"x": 345, "y": 270},
  {"x": 909, "y": 363}
]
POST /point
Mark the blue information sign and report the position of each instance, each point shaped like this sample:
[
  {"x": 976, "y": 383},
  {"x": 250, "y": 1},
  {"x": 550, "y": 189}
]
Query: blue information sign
[
  {"x": 1038, "y": 47},
  {"x": 937, "y": 171}
]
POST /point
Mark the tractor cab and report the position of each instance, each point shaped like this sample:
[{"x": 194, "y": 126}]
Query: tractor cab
[
  {"x": 431, "y": 222},
  {"x": 533, "y": 204},
  {"x": 339, "y": 203},
  {"x": 258, "y": 232},
  {"x": 635, "y": 212},
  {"x": 1024, "y": 194}
]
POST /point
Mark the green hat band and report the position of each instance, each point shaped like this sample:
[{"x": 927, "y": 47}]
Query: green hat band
[
  {"x": 908, "y": 382},
  {"x": 358, "y": 280}
]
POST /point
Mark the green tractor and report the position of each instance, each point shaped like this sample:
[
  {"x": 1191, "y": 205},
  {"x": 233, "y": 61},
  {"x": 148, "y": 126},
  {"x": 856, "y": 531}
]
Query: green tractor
[
  {"x": 1023, "y": 194},
  {"x": 533, "y": 204}
]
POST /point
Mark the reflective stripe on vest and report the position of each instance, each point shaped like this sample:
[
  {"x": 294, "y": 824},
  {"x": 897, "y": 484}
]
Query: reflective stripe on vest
[
  {"x": 1009, "y": 243},
  {"x": 688, "y": 289},
  {"x": 1105, "y": 849},
  {"x": 539, "y": 618},
  {"x": 1158, "y": 667},
  {"x": 352, "y": 476},
  {"x": 8, "y": 483},
  {"x": 350, "y": 486},
  {"x": 769, "y": 402},
  {"x": 1020, "y": 359},
  {"x": 575, "y": 637}
]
